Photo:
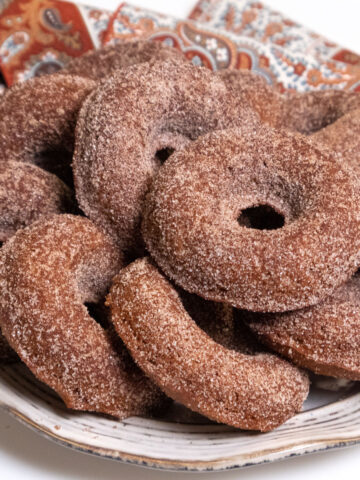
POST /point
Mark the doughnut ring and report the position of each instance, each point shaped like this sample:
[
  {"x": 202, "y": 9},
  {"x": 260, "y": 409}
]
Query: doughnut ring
[
  {"x": 47, "y": 273},
  {"x": 98, "y": 64},
  {"x": 130, "y": 125},
  {"x": 247, "y": 228},
  {"x": 253, "y": 90},
  {"x": 324, "y": 338},
  {"x": 42, "y": 131},
  {"x": 222, "y": 384}
]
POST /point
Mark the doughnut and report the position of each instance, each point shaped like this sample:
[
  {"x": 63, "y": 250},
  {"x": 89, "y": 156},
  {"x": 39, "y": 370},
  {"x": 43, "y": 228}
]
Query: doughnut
[
  {"x": 250, "y": 229},
  {"x": 342, "y": 138},
  {"x": 48, "y": 272},
  {"x": 97, "y": 64},
  {"x": 331, "y": 118},
  {"x": 306, "y": 113},
  {"x": 37, "y": 121},
  {"x": 129, "y": 126},
  {"x": 310, "y": 112},
  {"x": 28, "y": 193},
  {"x": 190, "y": 367},
  {"x": 253, "y": 90},
  {"x": 324, "y": 338}
]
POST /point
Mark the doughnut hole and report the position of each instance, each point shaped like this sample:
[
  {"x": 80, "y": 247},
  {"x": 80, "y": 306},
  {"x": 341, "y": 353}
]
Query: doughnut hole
[
  {"x": 266, "y": 201},
  {"x": 163, "y": 154},
  {"x": 165, "y": 144},
  {"x": 261, "y": 217}
]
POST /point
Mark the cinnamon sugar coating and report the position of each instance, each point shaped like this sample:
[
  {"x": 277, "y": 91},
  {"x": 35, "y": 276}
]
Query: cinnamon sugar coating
[
  {"x": 98, "y": 64},
  {"x": 202, "y": 229},
  {"x": 253, "y": 90},
  {"x": 129, "y": 124},
  {"x": 342, "y": 138},
  {"x": 39, "y": 116},
  {"x": 47, "y": 273},
  {"x": 310, "y": 112},
  {"x": 324, "y": 338},
  {"x": 326, "y": 114},
  {"x": 28, "y": 193},
  {"x": 331, "y": 118},
  {"x": 251, "y": 392}
]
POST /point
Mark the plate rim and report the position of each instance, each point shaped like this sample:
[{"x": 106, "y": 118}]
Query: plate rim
[{"x": 229, "y": 463}]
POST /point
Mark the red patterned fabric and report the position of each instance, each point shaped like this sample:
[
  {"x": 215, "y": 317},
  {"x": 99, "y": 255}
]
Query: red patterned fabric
[
  {"x": 254, "y": 19},
  {"x": 40, "y": 36},
  {"x": 217, "y": 49}
]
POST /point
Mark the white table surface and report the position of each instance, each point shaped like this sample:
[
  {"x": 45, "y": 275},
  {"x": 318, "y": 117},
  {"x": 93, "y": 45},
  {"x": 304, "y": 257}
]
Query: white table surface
[{"x": 26, "y": 455}]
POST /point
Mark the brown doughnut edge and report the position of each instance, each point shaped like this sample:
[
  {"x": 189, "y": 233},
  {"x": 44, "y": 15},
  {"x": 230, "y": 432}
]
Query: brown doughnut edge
[
  {"x": 189, "y": 366},
  {"x": 342, "y": 138},
  {"x": 48, "y": 271},
  {"x": 28, "y": 193},
  {"x": 330, "y": 117},
  {"x": 324, "y": 338},
  {"x": 252, "y": 89},
  {"x": 98, "y": 64},
  {"x": 310, "y": 112}
]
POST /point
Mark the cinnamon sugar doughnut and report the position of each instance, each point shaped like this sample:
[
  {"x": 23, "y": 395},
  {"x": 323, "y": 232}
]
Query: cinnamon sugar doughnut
[
  {"x": 342, "y": 138},
  {"x": 47, "y": 272},
  {"x": 331, "y": 118},
  {"x": 310, "y": 112},
  {"x": 28, "y": 193},
  {"x": 127, "y": 128},
  {"x": 37, "y": 120},
  {"x": 306, "y": 113},
  {"x": 253, "y": 90},
  {"x": 189, "y": 366},
  {"x": 249, "y": 228},
  {"x": 324, "y": 338},
  {"x": 97, "y": 64}
]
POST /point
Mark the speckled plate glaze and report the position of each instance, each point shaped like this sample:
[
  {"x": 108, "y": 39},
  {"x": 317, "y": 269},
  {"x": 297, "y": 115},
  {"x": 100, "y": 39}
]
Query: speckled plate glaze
[{"x": 182, "y": 440}]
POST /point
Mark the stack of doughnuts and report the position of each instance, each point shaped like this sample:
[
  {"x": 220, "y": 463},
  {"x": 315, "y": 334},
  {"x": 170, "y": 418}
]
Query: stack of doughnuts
[{"x": 170, "y": 233}]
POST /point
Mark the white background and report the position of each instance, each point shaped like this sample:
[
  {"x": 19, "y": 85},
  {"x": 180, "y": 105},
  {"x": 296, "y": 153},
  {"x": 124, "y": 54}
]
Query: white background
[{"x": 26, "y": 455}]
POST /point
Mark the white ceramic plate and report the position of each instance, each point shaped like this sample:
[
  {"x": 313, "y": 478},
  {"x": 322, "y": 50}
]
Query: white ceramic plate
[{"x": 183, "y": 441}]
